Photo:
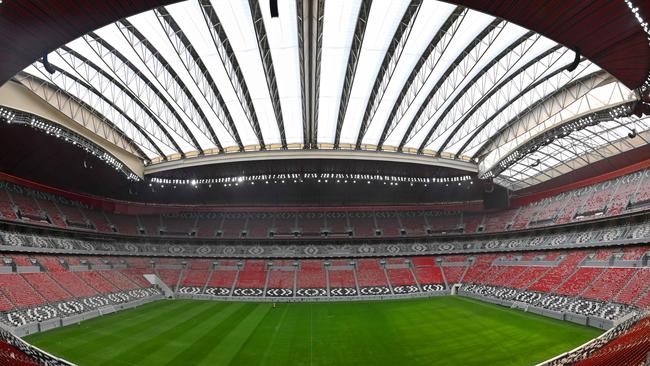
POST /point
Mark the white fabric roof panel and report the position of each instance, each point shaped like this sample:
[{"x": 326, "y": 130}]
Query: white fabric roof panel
[{"x": 440, "y": 90}]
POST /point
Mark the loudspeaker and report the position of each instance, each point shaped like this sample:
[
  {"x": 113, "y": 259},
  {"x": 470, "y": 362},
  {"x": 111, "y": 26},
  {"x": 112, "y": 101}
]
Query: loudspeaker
[
  {"x": 48, "y": 66},
  {"x": 274, "y": 8},
  {"x": 576, "y": 60}
]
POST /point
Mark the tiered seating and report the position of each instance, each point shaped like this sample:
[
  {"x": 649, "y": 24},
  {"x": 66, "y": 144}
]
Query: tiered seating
[
  {"x": 369, "y": 273},
  {"x": 311, "y": 274},
  {"x": 341, "y": 279},
  {"x": 73, "y": 284},
  {"x": 232, "y": 227},
  {"x": 528, "y": 277},
  {"x": 26, "y": 205},
  {"x": 21, "y": 260},
  {"x": 548, "y": 213},
  {"x": 46, "y": 287},
  {"x": 336, "y": 222},
  {"x": 312, "y": 223},
  {"x": 19, "y": 292},
  {"x": 523, "y": 217},
  {"x": 426, "y": 271},
  {"x": 6, "y": 205},
  {"x": 197, "y": 273},
  {"x": 177, "y": 226},
  {"x": 97, "y": 219},
  {"x": 252, "y": 275},
  {"x": 222, "y": 278},
  {"x": 136, "y": 275},
  {"x": 506, "y": 275},
  {"x": 472, "y": 223},
  {"x": 363, "y": 224},
  {"x": 643, "y": 301},
  {"x": 96, "y": 281},
  {"x": 10, "y": 355},
  {"x": 259, "y": 228},
  {"x": 498, "y": 221},
  {"x": 207, "y": 227},
  {"x": 151, "y": 224},
  {"x": 570, "y": 209},
  {"x": 72, "y": 214},
  {"x": 629, "y": 349},
  {"x": 119, "y": 280},
  {"x": 609, "y": 283},
  {"x": 124, "y": 224},
  {"x": 285, "y": 223},
  {"x": 642, "y": 195},
  {"x": 554, "y": 277},
  {"x": 413, "y": 223},
  {"x": 400, "y": 277},
  {"x": 444, "y": 223},
  {"x": 627, "y": 186},
  {"x": 475, "y": 272},
  {"x": 636, "y": 287},
  {"x": 51, "y": 264},
  {"x": 169, "y": 276},
  {"x": 52, "y": 212},
  {"x": 579, "y": 281},
  {"x": 388, "y": 224},
  {"x": 5, "y": 304},
  {"x": 597, "y": 202},
  {"x": 280, "y": 279}
]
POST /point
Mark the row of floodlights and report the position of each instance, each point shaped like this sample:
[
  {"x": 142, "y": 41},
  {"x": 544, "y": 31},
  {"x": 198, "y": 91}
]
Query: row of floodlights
[{"x": 311, "y": 177}]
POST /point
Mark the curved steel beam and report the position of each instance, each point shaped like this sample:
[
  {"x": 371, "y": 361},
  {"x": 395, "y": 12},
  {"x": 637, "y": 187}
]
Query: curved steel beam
[
  {"x": 534, "y": 105},
  {"x": 316, "y": 55},
  {"x": 422, "y": 70},
  {"x": 480, "y": 45},
  {"x": 38, "y": 86},
  {"x": 231, "y": 65},
  {"x": 199, "y": 73},
  {"x": 351, "y": 68},
  {"x": 487, "y": 97},
  {"x": 267, "y": 62},
  {"x": 302, "y": 57},
  {"x": 512, "y": 54},
  {"x": 170, "y": 81},
  {"x": 388, "y": 66},
  {"x": 129, "y": 73},
  {"x": 80, "y": 64}
]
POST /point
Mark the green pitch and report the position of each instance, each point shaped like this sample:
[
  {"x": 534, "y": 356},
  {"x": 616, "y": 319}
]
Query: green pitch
[{"x": 436, "y": 331}]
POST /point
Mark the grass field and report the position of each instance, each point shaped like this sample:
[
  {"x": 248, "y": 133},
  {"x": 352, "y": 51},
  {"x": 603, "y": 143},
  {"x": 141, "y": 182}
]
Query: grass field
[{"x": 436, "y": 331}]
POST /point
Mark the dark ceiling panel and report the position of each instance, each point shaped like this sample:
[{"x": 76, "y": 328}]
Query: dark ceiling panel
[
  {"x": 606, "y": 32},
  {"x": 30, "y": 28}
]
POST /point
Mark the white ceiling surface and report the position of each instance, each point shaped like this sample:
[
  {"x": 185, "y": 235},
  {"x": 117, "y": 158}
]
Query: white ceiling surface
[{"x": 468, "y": 103}]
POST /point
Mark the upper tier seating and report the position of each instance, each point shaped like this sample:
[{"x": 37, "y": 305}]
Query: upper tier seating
[{"x": 6, "y": 205}]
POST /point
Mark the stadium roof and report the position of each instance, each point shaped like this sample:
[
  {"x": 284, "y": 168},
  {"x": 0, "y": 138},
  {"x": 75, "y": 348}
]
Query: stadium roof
[{"x": 199, "y": 78}]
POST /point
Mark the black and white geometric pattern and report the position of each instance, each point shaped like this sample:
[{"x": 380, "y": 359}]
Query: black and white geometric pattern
[
  {"x": 248, "y": 292},
  {"x": 433, "y": 288},
  {"x": 217, "y": 291},
  {"x": 374, "y": 290},
  {"x": 311, "y": 292},
  {"x": 279, "y": 292},
  {"x": 193, "y": 290},
  {"x": 343, "y": 291},
  {"x": 407, "y": 289},
  {"x": 41, "y": 313}
]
